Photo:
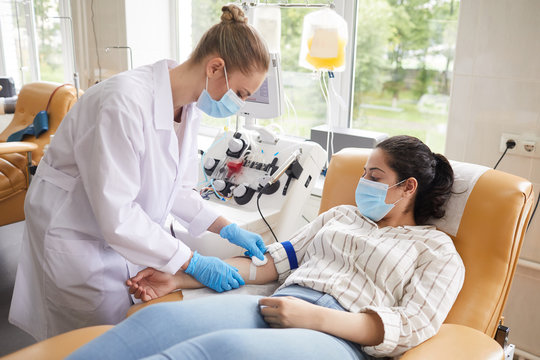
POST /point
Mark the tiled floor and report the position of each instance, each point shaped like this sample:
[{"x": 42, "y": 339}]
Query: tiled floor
[{"x": 11, "y": 338}]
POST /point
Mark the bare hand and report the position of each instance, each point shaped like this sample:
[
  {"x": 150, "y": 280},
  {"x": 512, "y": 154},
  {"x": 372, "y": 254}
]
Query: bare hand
[
  {"x": 289, "y": 312},
  {"x": 150, "y": 284}
]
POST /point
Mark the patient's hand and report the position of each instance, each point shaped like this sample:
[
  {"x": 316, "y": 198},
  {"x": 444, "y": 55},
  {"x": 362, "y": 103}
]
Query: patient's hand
[{"x": 150, "y": 283}]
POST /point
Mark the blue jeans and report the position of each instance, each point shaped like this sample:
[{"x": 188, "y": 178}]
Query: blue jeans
[{"x": 221, "y": 327}]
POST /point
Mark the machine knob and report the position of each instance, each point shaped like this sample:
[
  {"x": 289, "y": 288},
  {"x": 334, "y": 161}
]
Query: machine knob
[
  {"x": 240, "y": 191},
  {"x": 264, "y": 180},
  {"x": 219, "y": 185},
  {"x": 235, "y": 145},
  {"x": 209, "y": 163}
]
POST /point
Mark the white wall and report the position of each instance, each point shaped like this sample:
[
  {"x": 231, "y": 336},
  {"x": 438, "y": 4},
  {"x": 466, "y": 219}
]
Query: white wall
[
  {"x": 149, "y": 31},
  {"x": 496, "y": 89}
]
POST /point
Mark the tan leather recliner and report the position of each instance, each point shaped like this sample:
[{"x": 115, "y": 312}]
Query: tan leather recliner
[
  {"x": 14, "y": 176},
  {"x": 488, "y": 239}
]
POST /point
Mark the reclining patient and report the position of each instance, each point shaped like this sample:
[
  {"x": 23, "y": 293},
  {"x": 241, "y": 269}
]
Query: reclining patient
[{"x": 359, "y": 281}]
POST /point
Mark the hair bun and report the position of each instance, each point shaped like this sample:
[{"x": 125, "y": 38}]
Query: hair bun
[{"x": 232, "y": 14}]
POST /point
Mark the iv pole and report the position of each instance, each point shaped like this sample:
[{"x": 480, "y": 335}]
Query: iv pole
[
  {"x": 75, "y": 73},
  {"x": 107, "y": 49}
]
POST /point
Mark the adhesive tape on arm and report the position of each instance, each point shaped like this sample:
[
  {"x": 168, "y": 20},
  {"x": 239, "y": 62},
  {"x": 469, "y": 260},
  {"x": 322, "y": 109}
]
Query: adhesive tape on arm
[
  {"x": 255, "y": 261},
  {"x": 252, "y": 271}
]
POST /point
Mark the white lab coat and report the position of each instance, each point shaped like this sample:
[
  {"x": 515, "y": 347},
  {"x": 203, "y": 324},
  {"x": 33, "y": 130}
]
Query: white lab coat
[{"x": 96, "y": 208}]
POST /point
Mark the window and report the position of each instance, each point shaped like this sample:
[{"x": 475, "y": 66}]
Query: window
[
  {"x": 49, "y": 40},
  {"x": 404, "y": 53},
  {"x": 195, "y": 17},
  {"x": 18, "y": 42},
  {"x": 397, "y": 79},
  {"x": 403, "y": 67},
  {"x": 33, "y": 39}
]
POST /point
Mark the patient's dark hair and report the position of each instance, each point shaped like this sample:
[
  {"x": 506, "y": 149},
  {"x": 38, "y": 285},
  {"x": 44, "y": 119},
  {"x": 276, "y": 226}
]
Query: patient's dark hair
[{"x": 410, "y": 157}]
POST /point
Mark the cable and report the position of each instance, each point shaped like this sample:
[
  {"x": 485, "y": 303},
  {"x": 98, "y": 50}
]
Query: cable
[
  {"x": 321, "y": 80},
  {"x": 262, "y": 216},
  {"x": 534, "y": 211},
  {"x": 95, "y": 38},
  {"x": 510, "y": 144},
  {"x": 330, "y": 123},
  {"x": 52, "y": 94},
  {"x": 289, "y": 102},
  {"x": 504, "y": 153}
]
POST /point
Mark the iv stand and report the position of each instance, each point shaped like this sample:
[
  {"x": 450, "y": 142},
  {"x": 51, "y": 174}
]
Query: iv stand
[{"x": 107, "y": 49}]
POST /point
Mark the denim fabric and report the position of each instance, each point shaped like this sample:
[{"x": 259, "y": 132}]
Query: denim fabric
[{"x": 217, "y": 327}]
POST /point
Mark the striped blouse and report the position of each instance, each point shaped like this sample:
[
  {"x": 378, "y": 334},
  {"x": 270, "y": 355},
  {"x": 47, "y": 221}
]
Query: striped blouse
[{"x": 409, "y": 275}]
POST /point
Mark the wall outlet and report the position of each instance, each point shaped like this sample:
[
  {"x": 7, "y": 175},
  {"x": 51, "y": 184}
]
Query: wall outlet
[
  {"x": 504, "y": 139},
  {"x": 526, "y": 145},
  {"x": 529, "y": 146}
]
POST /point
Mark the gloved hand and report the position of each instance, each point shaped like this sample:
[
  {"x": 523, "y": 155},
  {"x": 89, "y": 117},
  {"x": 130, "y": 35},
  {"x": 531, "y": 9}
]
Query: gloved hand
[
  {"x": 214, "y": 273},
  {"x": 252, "y": 242}
]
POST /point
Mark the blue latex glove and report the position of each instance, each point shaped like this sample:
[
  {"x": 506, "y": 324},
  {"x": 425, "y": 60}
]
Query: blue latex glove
[
  {"x": 214, "y": 273},
  {"x": 252, "y": 242}
]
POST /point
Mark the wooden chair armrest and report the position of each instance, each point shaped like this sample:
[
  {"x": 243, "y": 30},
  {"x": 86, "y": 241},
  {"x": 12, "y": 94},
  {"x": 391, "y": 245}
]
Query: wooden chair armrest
[
  {"x": 457, "y": 342},
  {"x": 60, "y": 346},
  {"x": 16, "y": 146},
  {"x": 175, "y": 296}
]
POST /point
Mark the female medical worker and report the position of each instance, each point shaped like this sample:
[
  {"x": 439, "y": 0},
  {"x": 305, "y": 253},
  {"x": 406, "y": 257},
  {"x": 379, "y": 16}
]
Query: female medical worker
[{"x": 118, "y": 165}]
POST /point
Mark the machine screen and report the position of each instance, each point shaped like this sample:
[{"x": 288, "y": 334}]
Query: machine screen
[{"x": 261, "y": 96}]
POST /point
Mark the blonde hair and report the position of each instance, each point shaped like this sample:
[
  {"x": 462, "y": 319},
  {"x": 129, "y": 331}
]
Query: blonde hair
[{"x": 236, "y": 42}]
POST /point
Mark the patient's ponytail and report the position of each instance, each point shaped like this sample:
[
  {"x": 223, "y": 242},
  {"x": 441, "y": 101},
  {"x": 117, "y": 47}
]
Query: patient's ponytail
[
  {"x": 410, "y": 157},
  {"x": 440, "y": 189}
]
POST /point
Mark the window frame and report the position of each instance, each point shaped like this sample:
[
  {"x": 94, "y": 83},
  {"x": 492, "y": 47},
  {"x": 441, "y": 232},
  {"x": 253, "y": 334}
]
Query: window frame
[{"x": 345, "y": 81}]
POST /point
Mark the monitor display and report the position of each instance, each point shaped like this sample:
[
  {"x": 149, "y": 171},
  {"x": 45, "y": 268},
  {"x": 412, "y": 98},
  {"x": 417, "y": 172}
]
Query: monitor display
[
  {"x": 261, "y": 96},
  {"x": 267, "y": 101}
]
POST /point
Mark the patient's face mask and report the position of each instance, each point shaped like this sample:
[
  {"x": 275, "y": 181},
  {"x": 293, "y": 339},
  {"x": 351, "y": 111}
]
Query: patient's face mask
[
  {"x": 370, "y": 199},
  {"x": 228, "y": 105}
]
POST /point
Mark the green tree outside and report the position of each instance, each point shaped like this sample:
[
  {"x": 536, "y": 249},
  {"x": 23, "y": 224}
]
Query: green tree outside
[
  {"x": 398, "y": 88},
  {"x": 49, "y": 40}
]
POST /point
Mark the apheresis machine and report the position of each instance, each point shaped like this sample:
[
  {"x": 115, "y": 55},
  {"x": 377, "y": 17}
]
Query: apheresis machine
[{"x": 256, "y": 178}]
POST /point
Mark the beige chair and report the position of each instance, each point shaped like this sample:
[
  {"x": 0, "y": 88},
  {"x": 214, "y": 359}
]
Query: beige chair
[
  {"x": 488, "y": 239},
  {"x": 14, "y": 174}
]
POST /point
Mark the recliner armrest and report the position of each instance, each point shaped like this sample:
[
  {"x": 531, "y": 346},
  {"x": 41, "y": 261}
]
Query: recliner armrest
[
  {"x": 16, "y": 146},
  {"x": 59, "y": 346},
  {"x": 457, "y": 342},
  {"x": 174, "y": 296}
]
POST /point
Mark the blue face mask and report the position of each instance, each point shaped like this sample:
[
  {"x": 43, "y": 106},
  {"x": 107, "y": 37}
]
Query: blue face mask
[
  {"x": 370, "y": 199},
  {"x": 228, "y": 105}
]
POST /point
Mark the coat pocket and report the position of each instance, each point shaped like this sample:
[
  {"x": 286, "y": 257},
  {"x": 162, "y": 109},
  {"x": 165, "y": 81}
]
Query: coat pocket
[{"x": 73, "y": 273}]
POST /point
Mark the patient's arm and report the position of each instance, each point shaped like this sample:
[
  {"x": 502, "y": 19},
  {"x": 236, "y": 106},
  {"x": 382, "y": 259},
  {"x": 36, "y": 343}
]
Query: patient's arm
[{"x": 150, "y": 283}]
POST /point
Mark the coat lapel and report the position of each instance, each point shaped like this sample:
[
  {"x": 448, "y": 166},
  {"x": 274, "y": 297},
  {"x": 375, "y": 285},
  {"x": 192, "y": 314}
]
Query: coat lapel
[{"x": 163, "y": 107}]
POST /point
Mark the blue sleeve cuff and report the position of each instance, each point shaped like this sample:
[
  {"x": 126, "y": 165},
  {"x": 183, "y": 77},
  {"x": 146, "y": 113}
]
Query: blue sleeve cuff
[{"x": 291, "y": 254}]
